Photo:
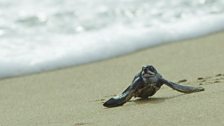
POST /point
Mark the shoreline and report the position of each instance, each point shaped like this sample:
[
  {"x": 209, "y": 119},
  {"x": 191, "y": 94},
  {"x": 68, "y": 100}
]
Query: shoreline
[
  {"x": 73, "y": 96},
  {"x": 61, "y": 67}
]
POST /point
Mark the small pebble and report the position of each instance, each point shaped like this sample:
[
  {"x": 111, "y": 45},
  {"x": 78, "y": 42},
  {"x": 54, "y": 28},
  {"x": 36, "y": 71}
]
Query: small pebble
[
  {"x": 218, "y": 75},
  {"x": 200, "y": 78},
  {"x": 216, "y": 81},
  {"x": 180, "y": 81}
]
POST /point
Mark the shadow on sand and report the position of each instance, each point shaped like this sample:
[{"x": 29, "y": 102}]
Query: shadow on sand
[{"x": 155, "y": 100}]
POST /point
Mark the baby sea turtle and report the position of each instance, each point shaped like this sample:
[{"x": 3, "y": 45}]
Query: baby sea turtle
[{"x": 146, "y": 83}]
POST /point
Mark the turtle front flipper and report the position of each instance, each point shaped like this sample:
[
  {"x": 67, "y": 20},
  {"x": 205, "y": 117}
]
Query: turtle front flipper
[
  {"x": 126, "y": 95},
  {"x": 182, "y": 88},
  {"x": 120, "y": 99}
]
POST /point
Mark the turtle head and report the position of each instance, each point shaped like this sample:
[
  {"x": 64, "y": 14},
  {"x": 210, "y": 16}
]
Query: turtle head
[{"x": 148, "y": 71}]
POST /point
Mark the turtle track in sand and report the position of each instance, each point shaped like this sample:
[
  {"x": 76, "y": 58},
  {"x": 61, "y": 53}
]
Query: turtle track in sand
[{"x": 206, "y": 80}]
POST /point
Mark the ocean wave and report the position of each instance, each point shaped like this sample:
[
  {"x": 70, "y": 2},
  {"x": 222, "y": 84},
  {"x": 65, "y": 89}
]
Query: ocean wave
[{"x": 70, "y": 33}]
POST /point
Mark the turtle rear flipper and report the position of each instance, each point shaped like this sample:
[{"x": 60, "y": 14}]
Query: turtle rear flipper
[
  {"x": 182, "y": 88},
  {"x": 120, "y": 99}
]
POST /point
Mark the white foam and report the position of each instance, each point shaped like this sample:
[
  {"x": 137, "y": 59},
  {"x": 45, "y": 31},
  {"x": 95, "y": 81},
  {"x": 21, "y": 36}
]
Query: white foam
[
  {"x": 96, "y": 45},
  {"x": 38, "y": 46}
]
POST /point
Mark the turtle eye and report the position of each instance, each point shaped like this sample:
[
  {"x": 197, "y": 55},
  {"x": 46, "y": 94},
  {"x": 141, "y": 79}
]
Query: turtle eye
[
  {"x": 152, "y": 69},
  {"x": 143, "y": 68}
]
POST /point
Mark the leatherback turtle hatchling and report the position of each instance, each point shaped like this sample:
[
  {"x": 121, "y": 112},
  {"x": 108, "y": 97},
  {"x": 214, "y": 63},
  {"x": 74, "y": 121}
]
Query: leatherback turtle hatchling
[{"x": 146, "y": 83}]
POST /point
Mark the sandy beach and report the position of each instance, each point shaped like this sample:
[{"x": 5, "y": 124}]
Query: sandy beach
[{"x": 74, "y": 96}]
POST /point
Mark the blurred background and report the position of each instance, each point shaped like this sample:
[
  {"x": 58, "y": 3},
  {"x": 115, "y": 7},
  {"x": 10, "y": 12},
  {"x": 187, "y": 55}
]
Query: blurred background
[{"x": 42, "y": 35}]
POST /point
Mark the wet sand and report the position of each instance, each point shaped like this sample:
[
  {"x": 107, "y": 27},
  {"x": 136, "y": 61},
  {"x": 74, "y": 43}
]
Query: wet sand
[{"x": 74, "y": 96}]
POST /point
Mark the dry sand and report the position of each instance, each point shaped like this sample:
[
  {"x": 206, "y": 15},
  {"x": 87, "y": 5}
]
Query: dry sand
[{"x": 74, "y": 96}]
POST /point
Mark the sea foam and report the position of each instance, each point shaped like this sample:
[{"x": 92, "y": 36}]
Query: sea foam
[{"x": 38, "y": 45}]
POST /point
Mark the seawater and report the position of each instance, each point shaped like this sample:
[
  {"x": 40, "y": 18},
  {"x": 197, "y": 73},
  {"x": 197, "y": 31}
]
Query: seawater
[{"x": 39, "y": 35}]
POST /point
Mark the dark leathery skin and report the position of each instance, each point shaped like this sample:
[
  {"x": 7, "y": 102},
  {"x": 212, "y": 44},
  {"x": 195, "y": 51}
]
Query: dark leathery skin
[{"x": 145, "y": 84}]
